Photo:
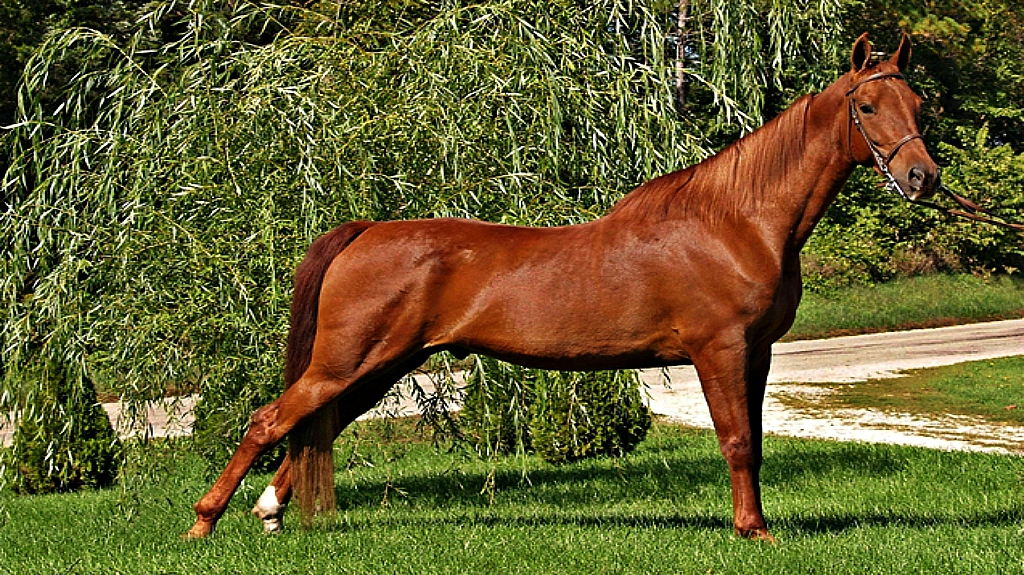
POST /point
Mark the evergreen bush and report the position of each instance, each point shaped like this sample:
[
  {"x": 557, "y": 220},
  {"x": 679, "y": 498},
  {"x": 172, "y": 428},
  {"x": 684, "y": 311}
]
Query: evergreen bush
[
  {"x": 562, "y": 416},
  {"x": 576, "y": 415},
  {"x": 63, "y": 440}
]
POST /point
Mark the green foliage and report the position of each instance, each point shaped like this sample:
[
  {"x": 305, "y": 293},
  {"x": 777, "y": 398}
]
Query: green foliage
[
  {"x": 753, "y": 57},
  {"x": 156, "y": 214},
  {"x": 63, "y": 440},
  {"x": 993, "y": 176},
  {"x": 24, "y": 26},
  {"x": 499, "y": 399}
]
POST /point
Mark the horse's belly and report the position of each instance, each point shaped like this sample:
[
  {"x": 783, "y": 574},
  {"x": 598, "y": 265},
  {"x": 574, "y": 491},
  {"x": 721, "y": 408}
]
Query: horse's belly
[{"x": 571, "y": 331}]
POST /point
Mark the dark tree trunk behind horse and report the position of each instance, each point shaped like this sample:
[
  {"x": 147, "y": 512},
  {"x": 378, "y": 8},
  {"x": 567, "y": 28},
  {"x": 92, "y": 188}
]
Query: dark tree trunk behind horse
[{"x": 701, "y": 266}]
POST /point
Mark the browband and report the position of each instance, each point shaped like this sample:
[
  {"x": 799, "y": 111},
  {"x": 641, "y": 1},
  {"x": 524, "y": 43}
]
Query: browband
[{"x": 872, "y": 78}]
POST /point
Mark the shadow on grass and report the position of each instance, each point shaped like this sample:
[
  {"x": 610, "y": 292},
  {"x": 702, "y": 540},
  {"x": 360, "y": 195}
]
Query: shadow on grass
[
  {"x": 622, "y": 480},
  {"x": 828, "y": 523},
  {"x": 839, "y": 522},
  {"x": 795, "y": 460},
  {"x": 666, "y": 474},
  {"x": 499, "y": 520}
]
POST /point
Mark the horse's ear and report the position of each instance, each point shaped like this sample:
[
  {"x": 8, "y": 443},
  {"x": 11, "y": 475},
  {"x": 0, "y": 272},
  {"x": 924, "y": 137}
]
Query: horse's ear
[
  {"x": 861, "y": 53},
  {"x": 902, "y": 56}
]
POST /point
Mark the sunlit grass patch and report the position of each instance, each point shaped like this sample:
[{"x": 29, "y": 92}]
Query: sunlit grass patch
[
  {"x": 991, "y": 390},
  {"x": 924, "y": 301},
  {"x": 405, "y": 507}
]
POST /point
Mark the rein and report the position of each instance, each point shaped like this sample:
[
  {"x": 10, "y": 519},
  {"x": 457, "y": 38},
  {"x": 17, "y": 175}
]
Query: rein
[{"x": 970, "y": 211}]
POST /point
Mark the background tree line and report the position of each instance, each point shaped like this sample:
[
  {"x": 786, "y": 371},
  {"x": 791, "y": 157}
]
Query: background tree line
[{"x": 167, "y": 163}]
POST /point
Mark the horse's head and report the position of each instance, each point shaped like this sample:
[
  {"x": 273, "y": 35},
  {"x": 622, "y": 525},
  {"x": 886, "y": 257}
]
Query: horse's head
[{"x": 883, "y": 122}]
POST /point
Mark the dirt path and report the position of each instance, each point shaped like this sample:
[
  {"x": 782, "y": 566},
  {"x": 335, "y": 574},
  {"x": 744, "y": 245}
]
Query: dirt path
[{"x": 844, "y": 359}]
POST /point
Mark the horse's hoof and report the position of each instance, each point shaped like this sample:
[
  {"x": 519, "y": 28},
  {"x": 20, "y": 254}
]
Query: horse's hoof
[
  {"x": 200, "y": 530},
  {"x": 272, "y": 526},
  {"x": 757, "y": 535}
]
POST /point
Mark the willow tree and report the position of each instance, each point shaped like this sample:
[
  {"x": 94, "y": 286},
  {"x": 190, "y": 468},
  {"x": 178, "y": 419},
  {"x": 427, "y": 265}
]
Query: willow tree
[{"x": 153, "y": 218}]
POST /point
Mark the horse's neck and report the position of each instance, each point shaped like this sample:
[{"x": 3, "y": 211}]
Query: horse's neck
[
  {"x": 816, "y": 178},
  {"x": 770, "y": 189}
]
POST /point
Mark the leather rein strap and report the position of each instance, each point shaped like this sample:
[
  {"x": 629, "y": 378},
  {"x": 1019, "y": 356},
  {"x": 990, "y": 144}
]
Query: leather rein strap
[{"x": 970, "y": 211}]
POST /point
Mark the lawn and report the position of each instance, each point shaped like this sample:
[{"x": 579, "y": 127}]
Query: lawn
[
  {"x": 923, "y": 301},
  {"x": 408, "y": 508}
]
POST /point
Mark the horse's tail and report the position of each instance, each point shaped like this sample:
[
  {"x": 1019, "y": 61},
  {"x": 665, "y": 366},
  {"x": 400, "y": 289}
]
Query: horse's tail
[{"x": 311, "y": 443}]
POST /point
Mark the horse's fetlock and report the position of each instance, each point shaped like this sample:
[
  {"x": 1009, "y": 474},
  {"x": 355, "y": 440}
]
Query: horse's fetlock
[
  {"x": 205, "y": 511},
  {"x": 270, "y": 511}
]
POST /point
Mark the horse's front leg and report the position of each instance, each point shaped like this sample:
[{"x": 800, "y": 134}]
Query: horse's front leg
[{"x": 732, "y": 377}]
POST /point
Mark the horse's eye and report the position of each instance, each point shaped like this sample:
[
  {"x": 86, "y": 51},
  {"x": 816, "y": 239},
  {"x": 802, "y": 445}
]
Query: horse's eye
[{"x": 867, "y": 109}]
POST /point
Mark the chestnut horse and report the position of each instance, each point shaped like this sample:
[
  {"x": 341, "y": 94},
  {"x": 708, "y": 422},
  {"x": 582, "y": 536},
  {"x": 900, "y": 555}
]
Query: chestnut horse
[{"x": 699, "y": 266}]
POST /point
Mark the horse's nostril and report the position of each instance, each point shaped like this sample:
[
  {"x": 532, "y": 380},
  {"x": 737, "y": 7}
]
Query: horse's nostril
[{"x": 916, "y": 178}]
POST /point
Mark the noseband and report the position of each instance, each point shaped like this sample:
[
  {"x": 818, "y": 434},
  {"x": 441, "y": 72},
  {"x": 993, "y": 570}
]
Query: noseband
[{"x": 882, "y": 160}]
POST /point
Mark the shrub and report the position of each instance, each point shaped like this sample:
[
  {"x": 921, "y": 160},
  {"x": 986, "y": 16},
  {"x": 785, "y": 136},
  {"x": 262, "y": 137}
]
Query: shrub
[
  {"x": 578, "y": 415},
  {"x": 63, "y": 441},
  {"x": 562, "y": 416}
]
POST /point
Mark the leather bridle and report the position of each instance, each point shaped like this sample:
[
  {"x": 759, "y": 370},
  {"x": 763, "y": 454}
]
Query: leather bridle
[
  {"x": 970, "y": 210},
  {"x": 882, "y": 160}
]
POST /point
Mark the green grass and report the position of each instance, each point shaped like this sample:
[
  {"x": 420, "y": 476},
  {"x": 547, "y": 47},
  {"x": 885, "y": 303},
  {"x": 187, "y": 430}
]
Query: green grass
[
  {"x": 924, "y": 301},
  {"x": 992, "y": 390},
  {"x": 405, "y": 508}
]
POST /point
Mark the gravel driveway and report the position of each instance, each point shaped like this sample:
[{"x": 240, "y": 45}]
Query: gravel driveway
[{"x": 858, "y": 358}]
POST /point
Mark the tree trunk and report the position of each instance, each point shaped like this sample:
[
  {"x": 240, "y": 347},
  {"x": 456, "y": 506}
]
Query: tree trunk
[{"x": 681, "y": 36}]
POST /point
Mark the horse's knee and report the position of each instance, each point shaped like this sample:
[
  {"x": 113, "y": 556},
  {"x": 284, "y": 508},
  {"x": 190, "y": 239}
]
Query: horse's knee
[{"x": 740, "y": 451}]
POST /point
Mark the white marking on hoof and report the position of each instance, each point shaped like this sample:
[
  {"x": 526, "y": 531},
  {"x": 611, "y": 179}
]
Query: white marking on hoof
[{"x": 270, "y": 511}]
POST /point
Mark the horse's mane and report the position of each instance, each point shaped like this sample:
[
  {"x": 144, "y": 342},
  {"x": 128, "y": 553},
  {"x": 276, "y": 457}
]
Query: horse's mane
[{"x": 735, "y": 180}]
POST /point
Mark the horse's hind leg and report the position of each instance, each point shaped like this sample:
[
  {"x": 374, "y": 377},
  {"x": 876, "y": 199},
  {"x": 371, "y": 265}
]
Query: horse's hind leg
[
  {"x": 273, "y": 502},
  {"x": 271, "y": 505},
  {"x": 732, "y": 377},
  {"x": 270, "y": 424}
]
